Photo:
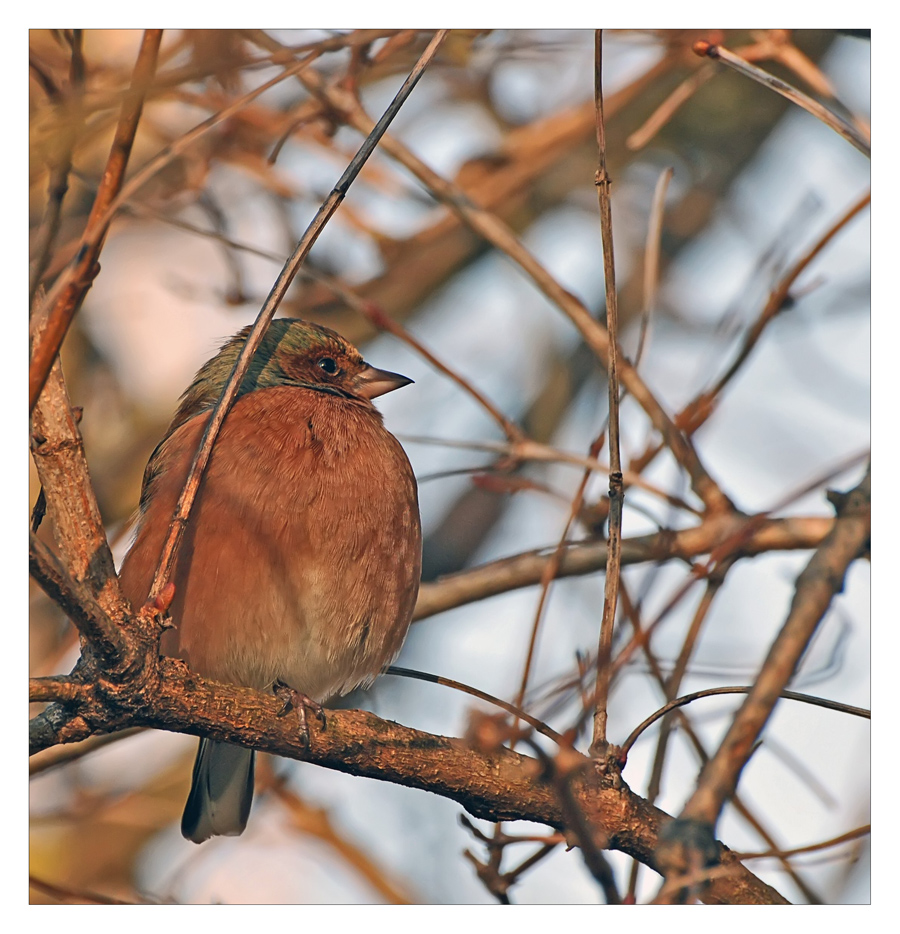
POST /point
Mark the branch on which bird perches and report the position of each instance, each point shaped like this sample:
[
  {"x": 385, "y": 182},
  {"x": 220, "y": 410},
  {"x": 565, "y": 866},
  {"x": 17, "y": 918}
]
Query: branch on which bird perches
[{"x": 493, "y": 785}]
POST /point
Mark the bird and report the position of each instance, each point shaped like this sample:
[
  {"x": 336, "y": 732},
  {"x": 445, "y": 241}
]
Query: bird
[{"x": 301, "y": 560}]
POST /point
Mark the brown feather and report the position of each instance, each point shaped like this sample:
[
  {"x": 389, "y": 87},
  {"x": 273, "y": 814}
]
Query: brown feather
[{"x": 302, "y": 556}]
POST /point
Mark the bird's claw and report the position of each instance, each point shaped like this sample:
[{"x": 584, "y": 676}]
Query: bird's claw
[{"x": 296, "y": 700}]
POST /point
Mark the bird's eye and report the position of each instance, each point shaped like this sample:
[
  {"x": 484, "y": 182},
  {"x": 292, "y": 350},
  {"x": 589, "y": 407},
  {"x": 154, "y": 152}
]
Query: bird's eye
[{"x": 328, "y": 365}]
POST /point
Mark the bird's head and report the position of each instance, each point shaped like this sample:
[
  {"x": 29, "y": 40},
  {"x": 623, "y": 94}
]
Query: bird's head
[{"x": 292, "y": 353}]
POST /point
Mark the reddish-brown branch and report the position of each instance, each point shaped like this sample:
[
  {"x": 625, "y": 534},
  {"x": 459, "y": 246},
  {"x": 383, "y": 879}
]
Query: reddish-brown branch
[
  {"x": 496, "y": 785},
  {"x": 78, "y": 604},
  {"x": 77, "y": 525},
  {"x": 85, "y": 269}
]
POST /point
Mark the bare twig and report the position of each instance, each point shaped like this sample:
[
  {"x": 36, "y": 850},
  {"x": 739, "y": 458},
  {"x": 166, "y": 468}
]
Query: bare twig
[
  {"x": 616, "y": 487},
  {"x": 562, "y": 770},
  {"x": 62, "y": 755},
  {"x": 779, "y": 295},
  {"x": 696, "y": 412},
  {"x": 384, "y": 322},
  {"x": 551, "y": 569},
  {"x": 316, "y": 822},
  {"x": 513, "y": 709},
  {"x": 651, "y": 257},
  {"x": 68, "y": 896},
  {"x": 811, "y": 848},
  {"x": 851, "y": 133},
  {"x": 710, "y": 692},
  {"x": 661, "y": 116},
  {"x": 527, "y": 449}
]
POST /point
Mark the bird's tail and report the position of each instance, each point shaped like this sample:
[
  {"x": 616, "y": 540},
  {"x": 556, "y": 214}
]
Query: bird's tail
[{"x": 221, "y": 792}]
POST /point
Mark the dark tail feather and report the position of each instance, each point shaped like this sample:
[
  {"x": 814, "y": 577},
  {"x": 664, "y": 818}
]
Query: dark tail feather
[{"x": 221, "y": 792}]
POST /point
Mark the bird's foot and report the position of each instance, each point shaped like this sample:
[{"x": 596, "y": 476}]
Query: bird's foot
[{"x": 296, "y": 700}]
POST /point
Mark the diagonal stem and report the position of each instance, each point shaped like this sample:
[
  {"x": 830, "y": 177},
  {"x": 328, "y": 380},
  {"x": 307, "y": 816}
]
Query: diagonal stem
[{"x": 616, "y": 485}]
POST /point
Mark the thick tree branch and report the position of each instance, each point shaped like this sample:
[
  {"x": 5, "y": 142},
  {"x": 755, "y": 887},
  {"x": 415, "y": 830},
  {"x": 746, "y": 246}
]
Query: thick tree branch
[
  {"x": 77, "y": 526},
  {"x": 499, "y": 785}
]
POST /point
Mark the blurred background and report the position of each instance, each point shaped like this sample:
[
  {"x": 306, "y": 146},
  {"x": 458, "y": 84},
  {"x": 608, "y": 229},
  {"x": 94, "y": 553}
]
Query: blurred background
[{"x": 508, "y": 115}]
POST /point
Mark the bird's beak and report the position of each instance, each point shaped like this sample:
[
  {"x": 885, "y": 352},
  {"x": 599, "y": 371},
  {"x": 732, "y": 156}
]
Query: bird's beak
[{"x": 372, "y": 383}]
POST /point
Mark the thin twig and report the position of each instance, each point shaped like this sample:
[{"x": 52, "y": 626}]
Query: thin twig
[
  {"x": 661, "y": 116},
  {"x": 616, "y": 486},
  {"x": 671, "y": 687},
  {"x": 641, "y": 638},
  {"x": 267, "y": 312},
  {"x": 562, "y": 770},
  {"x": 316, "y": 822},
  {"x": 699, "y": 409},
  {"x": 651, "y": 257},
  {"x": 779, "y": 295},
  {"x": 76, "y": 603},
  {"x": 551, "y": 569},
  {"x": 811, "y": 848},
  {"x": 62, "y": 755},
  {"x": 530, "y": 450},
  {"x": 371, "y": 311},
  {"x": 720, "y": 53},
  {"x": 69, "y": 896},
  {"x": 710, "y": 692},
  {"x": 513, "y": 709}
]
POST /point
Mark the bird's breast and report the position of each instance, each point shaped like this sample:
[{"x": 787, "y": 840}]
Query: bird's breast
[{"x": 302, "y": 556}]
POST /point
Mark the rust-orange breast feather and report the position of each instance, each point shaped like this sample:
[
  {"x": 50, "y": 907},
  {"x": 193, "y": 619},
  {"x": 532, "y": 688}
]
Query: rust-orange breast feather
[{"x": 302, "y": 556}]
